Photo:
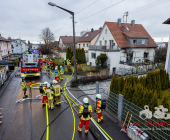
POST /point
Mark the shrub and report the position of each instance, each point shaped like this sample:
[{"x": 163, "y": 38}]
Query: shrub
[
  {"x": 79, "y": 68},
  {"x": 74, "y": 83}
]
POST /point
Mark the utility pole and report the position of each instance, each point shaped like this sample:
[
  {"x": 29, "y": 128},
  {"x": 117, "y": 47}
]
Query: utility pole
[{"x": 74, "y": 47}]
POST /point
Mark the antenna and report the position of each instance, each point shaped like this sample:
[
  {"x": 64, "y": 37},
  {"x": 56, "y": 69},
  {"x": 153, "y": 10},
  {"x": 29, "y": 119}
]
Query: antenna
[{"x": 125, "y": 14}]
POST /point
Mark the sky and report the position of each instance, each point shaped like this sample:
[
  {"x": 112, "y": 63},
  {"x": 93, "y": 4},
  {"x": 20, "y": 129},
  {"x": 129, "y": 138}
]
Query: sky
[{"x": 26, "y": 18}]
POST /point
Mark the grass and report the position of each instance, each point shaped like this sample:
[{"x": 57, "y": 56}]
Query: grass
[{"x": 162, "y": 95}]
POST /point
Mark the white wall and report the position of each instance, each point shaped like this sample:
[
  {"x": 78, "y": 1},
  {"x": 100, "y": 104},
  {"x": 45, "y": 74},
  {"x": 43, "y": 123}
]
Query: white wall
[
  {"x": 16, "y": 49},
  {"x": 102, "y": 37},
  {"x": 113, "y": 59}
]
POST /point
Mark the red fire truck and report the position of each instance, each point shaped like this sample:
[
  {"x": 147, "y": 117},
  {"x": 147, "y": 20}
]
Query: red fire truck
[{"x": 30, "y": 65}]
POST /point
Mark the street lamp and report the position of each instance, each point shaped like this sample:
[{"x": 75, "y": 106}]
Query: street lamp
[{"x": 74, "y": 48}]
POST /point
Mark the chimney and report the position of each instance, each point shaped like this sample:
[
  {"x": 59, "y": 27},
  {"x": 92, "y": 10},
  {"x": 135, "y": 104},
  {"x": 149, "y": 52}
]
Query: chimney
[
  {"x": 119, "y": 21},
  {"x": 0, "y": 35},
  {"x": 100, "y": 28},
  {"x": 92, "y": 29},
  {"x": 133, "y": 23}
]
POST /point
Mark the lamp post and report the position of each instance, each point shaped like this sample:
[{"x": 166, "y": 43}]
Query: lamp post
[{"x": 74, "y": 47}]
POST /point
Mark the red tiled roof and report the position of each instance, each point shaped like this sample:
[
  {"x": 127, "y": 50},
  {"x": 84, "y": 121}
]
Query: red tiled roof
[
  {"x": 121, "y": 39},
  {"x": 90, "y": 36},
  {"x": 68, "y": 39},
  {"x": 4, "y": 39},
  {"x": 134, "y": 34},
  {"x": 167, "y": 21}
]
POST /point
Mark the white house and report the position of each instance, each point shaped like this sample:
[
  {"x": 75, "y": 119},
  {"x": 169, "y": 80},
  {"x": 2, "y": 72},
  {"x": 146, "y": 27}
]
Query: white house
[
  {"x": 23, "y": 43},
  {"x": 16, "y": 47},
  {"x": 35, "y": 46},
  {"x": 123, "y": 44}
]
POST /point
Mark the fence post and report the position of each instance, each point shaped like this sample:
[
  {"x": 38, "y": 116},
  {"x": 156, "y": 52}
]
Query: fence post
[
  {"x": 97, "y": 87},
  {"x": 120, "y": 107}
]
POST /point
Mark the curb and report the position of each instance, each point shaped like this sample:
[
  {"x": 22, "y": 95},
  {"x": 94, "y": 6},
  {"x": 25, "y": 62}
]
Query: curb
[{"x": 8, "y": 81}]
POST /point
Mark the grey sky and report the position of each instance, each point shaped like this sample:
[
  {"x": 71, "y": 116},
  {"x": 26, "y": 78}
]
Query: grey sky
[{"x": 26, "y": 18}]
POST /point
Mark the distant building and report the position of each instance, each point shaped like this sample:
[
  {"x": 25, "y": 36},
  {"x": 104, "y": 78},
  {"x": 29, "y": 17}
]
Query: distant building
[
  {"x": 67, "y": 41},
  {"x": 16, "y": 47},
  {"x": 23, "y": 43},
  {"x": 35, "y": 46},
  {"x": 89, "y": 38},
  {"x": 5, "y": 47}
]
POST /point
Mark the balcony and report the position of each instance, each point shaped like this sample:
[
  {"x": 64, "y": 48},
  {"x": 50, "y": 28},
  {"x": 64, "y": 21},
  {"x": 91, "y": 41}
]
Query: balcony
[{"x": 104, "y": 48}]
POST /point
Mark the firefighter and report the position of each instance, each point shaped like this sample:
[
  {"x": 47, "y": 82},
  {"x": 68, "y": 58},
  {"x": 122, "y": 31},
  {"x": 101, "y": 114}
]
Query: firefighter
[
  {"x": 44, "y": 94},
  {"x": 48, "y": 66},
  {"x": 85, "y": 113},
  {"x": 61, "y": 72},
  {"x": 57, "y": 89},
  {"x": 43, "y": 61},
  {"x": 24, "y": 86},
  {"x": 98, "y": 108},
  {"x": 50, "y": 94},
  {"x": 57, "y": 74},
  {"x": 51, "y": 64}
]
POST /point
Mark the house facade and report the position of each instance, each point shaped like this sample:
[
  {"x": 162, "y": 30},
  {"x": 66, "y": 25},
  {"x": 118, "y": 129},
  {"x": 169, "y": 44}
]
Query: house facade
[
  {"x": 66, "y": 41},
  {"x": 124, "y": 44},
  {"x": 89, "y": 38},
  {"x": 35, "y": 46},
  {"x": 23, "y": 43},
  {"x": 16, "y": 47},
  {"x": 5, "y": 47}
]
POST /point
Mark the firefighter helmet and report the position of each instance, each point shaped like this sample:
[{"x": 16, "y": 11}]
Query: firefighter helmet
[
  {"x": 85, "y": 100},
  {"x": 55, "y": 82},
  {"x": 45, "y": 83},
  {"x": 48, "y": 85},
  {"x": 23, "y": 76},
  {"x": 56, "y": 68},
  {"x": 98, "y": 96},
  {"x": 60, "y": 66}
]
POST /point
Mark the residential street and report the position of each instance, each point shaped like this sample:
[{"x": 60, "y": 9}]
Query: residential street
[{"x": 27, "y": 120}]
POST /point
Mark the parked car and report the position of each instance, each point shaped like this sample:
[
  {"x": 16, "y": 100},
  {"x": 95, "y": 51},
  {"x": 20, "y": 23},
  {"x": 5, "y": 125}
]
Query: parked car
[
  {"x": 9, "y": 63},
  {"x": 123, "y": 71}
]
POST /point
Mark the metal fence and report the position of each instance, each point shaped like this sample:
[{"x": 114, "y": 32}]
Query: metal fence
[{"x": 155, "y": 128}]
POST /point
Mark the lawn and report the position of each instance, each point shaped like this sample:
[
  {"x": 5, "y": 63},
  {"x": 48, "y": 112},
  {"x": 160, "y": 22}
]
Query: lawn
[{"x": 162, "y": 94}]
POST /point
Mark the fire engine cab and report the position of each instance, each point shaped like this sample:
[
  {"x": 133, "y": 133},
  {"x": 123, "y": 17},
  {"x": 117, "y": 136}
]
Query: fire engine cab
[{"x": 30, "y": 65}]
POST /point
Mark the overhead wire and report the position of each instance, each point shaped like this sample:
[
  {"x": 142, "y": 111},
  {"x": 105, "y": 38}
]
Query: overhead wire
[{"x": 148, "y": 6}]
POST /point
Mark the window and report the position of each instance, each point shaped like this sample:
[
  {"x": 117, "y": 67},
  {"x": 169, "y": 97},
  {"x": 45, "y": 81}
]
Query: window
[
  {"x": 135, "y": 41},
  {"x": 12, "y": 51},
  {"x": 87, "y": 35},
  {"x": 127, "y": 29},
  {"x": 105, "y": 42},
  {"x": 17, "y": 45},
  {"x": 12, "y": 46},
  {"x": 100, "y": 43},
  {"x": 87, "y": 45},
  {"x": 79, "y": 46},
  {"x": 112, "y": 44},
  {"x": 143, "y": 41},
  {"x": 146, "y": 55},
  {"x": 83, "y": 45},
  {"x": 105, "y": 31},
  {"x": 93, "y": 55}
]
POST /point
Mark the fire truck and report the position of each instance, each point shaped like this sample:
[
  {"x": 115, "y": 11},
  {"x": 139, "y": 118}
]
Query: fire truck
[{"x": 30, "y": 65}]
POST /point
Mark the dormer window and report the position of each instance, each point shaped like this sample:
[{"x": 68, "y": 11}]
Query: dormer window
[
  {"x": 134, "y": 41},
  {"x": 87, "y": 35},
  {"x": 143, "y": 41},
  {"x": 127, "y": 29}
]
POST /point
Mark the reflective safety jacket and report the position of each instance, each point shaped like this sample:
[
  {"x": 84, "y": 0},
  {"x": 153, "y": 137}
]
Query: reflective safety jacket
[
  {"x": 44, "y": 89},
  {"x": 48, "y": 64},
  {"x": 62, "y": 71},
  {"x": 23, "y": 84},
  {"x": 49, "y": 94},
  {"x": 98, "y": 106},
  {"x": 81, "y": 110},
  {"x": 51, "y": 63},
  {"x": 57, "y": 90},
  {"x": 57, "y": 73}
]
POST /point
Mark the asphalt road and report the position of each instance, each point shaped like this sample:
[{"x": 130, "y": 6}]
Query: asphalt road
[{"x": 27, "y": 120}]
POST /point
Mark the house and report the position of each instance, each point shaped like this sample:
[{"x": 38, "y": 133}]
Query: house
[
  {"x": 67, "y": 41},
  {"x": 5, "y": 47},
  {"x": 16, "y": 47},
  {"x": 124, "y": 43},
  {"x": 23, "y": 43},
  {"x": 89, "y": 38},
  {"x": 167, "y": 65},
  {"x": 35, "y": 46}
]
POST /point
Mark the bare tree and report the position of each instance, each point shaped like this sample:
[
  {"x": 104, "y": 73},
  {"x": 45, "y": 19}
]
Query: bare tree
[{"x": 46, "y": 35}]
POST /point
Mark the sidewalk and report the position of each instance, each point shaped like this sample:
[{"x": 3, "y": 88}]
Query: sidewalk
[
  {"x": 110, "y": 124},
  {"x": 3, "y": 87}
]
